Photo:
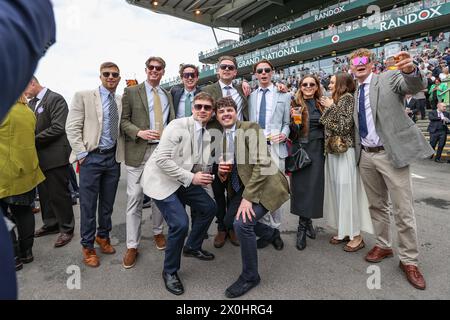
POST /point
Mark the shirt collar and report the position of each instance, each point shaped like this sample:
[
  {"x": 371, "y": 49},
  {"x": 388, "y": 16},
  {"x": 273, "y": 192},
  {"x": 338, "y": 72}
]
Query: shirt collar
[
  {"x": 186, "y": 92},
  {"x": 232, "y": 129},
  {"x": 368, "y": 79},
  {"x": 269, "y": 88},
  {"x": 105, "y": 91},
  {"x": 149, "y": 86},
  {"x": 41, "y": 93},
  {"x": 198, "y": 125},
  {"x": 223, "y": 85}
]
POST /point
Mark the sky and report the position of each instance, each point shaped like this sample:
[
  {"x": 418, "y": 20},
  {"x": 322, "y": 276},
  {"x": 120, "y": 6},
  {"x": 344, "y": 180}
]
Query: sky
[{"x": 90, "y": 32}]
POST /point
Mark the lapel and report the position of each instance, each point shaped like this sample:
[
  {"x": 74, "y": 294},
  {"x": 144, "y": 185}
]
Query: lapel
[
  {"x": 276, "y": 95},
  {"x": 218, "y": 89},
  {"x": 254, "y": 104},
  {"x": 355, "y": 109},
  {"x": 373, "y": 97},
  {"x": 143, "y": 94},
  {"x": 177, "y": 97},
  {"x": 42, "y": 103},
  {"x": 98, "y": 106}
]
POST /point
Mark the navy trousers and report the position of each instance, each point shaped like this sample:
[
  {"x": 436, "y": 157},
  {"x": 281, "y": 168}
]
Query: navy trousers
[
  {"x": 173, "y": 211},
  {"x": 99, "y": 178}
]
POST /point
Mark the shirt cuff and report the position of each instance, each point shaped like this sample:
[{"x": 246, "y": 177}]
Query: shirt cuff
[
  {"x": 82, "y": 155},
  {"x": 413, "y": 74}
]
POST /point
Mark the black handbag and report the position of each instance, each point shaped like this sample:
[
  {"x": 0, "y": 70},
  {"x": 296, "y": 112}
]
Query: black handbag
[{"x": 298, "y": 159}]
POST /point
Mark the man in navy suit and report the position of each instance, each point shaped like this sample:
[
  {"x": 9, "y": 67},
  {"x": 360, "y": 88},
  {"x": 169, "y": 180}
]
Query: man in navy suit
[
  {"x": 183, "y": 96},
  {"x": 439, "y": 120},
  {"x": 27, "y": 29}
]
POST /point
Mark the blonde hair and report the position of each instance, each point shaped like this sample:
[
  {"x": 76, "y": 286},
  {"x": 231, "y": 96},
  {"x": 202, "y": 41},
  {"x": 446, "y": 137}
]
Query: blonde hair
[
  {"x": 22, "y": 99},
  {"x": 362, "y": 52}
]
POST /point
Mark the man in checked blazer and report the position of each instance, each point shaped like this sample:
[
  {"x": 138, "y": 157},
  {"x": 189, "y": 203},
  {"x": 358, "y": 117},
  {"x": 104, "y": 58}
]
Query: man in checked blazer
[
  {"x": 147, "y": 109},
  {"x": 386, "y": 142},
  {"x": 93, "y": 130}
]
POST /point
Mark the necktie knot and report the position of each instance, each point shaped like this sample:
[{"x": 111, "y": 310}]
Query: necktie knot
[{"x": 228, "y": 88}]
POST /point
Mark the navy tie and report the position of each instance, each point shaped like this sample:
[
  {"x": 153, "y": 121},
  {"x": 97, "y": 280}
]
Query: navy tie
[
  {"x": 362, "y": 113},
  {"x": 228, "y": 88},
  {"x": 262, "y": 109}
]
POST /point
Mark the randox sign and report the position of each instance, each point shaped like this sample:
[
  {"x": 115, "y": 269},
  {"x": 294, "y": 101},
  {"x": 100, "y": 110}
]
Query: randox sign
[
  {"x": 410, "y": 18},
  {"x": 279, "y": 29},
  {"x": 329, "y": 13}
]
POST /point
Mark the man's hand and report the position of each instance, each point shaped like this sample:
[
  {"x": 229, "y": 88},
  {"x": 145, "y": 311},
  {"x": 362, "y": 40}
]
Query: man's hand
[
  {"x": 282, "y": 87},
  {"x": 80, "y": 162},
  {"x": 224, "y": 170},
  {"x": 245, "y": 210},
  {"x": 246, "y": 88},
  {"x": 148, "y": 134},
  {"x": 406, "y": 64},
  {"x": 202, "y": 179},
  {"x": 278, "y": 138}
]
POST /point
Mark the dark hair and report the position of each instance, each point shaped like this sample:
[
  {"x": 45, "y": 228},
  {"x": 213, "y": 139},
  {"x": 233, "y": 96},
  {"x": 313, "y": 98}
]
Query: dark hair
[
  {"x": 158, "y": 59},
  {"x": 233, "y": 59},
  {"x": 343, "y": 84},
  {"x": 226, "y": 102},
  {"x": 204, "y": 96},
  {"x": 299, "y": 95},
  {"x": 262, "y": 61},
  {"x": 184, "y": 66},
  {"x": 108, "y": 64}
]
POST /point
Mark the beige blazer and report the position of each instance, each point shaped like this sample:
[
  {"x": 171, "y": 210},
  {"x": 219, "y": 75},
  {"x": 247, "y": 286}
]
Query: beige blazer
[
  {"x": 85, "y": 124},
  {"x": 169, "y": 167}
]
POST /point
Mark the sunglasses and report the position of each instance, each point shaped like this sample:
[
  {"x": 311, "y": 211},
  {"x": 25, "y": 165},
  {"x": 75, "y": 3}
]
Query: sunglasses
[
  {"x": 307, "y": 84},
  {"x": 261, "y": 70},
  {"x": 188, "y": 75},
  {"x": 227, "y": 67},
  {"x": 360, "y": 61},
  {"x": 152, "y": 67},
  {"x": 206, "y": 107},
  {"x": 113, "y": 74}
]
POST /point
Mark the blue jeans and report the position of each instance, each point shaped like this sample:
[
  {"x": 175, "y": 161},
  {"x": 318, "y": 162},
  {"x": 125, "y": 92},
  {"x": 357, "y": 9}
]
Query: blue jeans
[
  {"x": 99, "y": 177},
  {"x": 173, "y": 211}
]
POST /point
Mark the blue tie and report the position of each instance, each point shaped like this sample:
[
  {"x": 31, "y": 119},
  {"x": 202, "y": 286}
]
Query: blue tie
[
  {"x": 262, "y": 109},
  {"x": 362, "y": 113}
]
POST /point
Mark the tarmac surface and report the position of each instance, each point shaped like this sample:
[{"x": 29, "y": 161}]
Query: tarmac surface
[{"x": 321, "y": 271}]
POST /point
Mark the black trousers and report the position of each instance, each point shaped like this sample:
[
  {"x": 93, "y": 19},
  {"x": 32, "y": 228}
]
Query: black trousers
[
  {"x": 55, "y": 199},
  {"x": 221, "y": 202},
  {"x": 23, "y": 218},
  {"x": 441, "y": 138},
  {"x": 422, "y": 105}
]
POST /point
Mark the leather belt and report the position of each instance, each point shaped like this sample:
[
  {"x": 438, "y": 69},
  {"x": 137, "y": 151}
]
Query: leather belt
[
  {"x": 113, "y": 149},
  {"x": 373, "y": 149}
]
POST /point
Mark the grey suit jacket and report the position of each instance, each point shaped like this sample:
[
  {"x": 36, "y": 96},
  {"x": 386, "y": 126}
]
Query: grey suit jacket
[
  {"x": 401, "y": 138},
  {"x": 169, "y": 167},
  {"x": 281, "y": 105},
  {"x": 216, "y": 92}
]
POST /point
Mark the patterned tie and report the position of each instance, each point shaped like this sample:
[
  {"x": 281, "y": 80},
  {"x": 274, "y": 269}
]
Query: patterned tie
[
  {"x": 113, "y": 117},
  {"x": 32, "y": 103},
  {"x": 228, "y": 88},
  {"x": 235, "y": 184},
  {"x": 363, "y": 131},
  {"x": 262, "y": 109},
  {"x": 187, "y": 105},
  {"x": 157, "y": 110}
]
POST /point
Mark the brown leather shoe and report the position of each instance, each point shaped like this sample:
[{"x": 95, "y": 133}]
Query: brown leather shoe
[
  {"x": 377, "y": 254},
  {"x": 90, "y": 258},
  {"x": 43, "y": 231},
  {"x": 105, "y": 245},
  {"x": 334, "y": 240},
  {"x": 35, "y": 210},
  {"x": 160, "y": 241},
  {"x": 129, "y": 260},
  {"x": 413, "y": 275},
  {"x": 63, "y": 239},
  {"x": 220, "y": 238},
  {"x": 233, "y": 238}
]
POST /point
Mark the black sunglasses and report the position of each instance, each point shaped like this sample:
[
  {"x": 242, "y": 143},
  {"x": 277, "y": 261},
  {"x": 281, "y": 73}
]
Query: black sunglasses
[
  {"x": 152, "y": 67},
  {"x": 107, "y": 74},
  {"x": 261, "y": 70},
  {"x": 205, "y": 107},
  {"x": 227, "y": 67},
  {"x": 311, "y": 85},
  {"x": 188, "y": 75}
]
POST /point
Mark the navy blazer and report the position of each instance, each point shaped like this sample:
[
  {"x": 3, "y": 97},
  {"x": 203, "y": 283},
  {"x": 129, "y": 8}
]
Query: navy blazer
[
  {"x": 436, "y": 123},
  {"x": 177, "y": 92},
  {"x": 27, "y": 30}
]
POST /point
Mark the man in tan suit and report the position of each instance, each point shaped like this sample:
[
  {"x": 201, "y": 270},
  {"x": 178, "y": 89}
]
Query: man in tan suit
[
  {"x": 93, "y": 132},
  {"x": 147, "y": 109},
  {"x": 255, "y": 185}
]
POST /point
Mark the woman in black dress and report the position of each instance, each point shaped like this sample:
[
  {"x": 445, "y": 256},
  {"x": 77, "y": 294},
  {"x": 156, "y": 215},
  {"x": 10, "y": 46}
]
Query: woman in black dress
[{"x": 307, "y": 184}]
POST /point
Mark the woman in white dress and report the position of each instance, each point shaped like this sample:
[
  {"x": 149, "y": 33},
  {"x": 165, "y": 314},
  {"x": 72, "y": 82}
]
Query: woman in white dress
[{"x": 345, "y": 202}]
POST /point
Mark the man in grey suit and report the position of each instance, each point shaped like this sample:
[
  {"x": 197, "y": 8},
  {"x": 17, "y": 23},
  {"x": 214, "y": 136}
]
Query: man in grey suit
[
  {"x": 270, "y": 108},
  {"x": 387, "y": 142},
  {"x": 146, "y": 110},
  {"x": 174, "y": 176}
]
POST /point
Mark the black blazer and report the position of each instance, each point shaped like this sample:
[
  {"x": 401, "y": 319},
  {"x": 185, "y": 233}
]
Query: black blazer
[
  {"x": 177, "y": 92},
  {"x": 414, "y": 106},
  {"x": 436, "y": 123},
  {"x": 52, "y": 146}
]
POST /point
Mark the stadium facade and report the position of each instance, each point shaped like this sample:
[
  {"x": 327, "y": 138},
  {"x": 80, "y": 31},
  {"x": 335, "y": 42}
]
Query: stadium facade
[{"x": 307, "y": 35}]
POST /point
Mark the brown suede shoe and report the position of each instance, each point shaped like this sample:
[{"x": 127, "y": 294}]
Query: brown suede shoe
[
  {"x": 377, "y": 254},
  {"x": 129, "y": 260},
  {"x": 160, "y": 241},
  {"x": 348, "y": 248},
  {"x": 90, "y": 258},
  {"x": 105, "y": 245},
  {"x": 233, "y": 238},
  {"x": 63, "y": 239},
  {"x": 220, "y": 238},
  {"x": 413, "y": 275}
]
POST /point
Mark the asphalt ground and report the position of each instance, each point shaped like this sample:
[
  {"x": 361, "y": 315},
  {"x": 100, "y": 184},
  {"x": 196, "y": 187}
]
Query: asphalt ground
[{"x": 321, "y": 271}]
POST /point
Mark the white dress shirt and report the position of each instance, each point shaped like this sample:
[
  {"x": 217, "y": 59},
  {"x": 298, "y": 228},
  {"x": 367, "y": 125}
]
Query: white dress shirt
[
  {"x": 164, "y": 104},
  {"x": 236, "y": 97},
  {"x": 372, "y": 139},
  {"x": 269, "y": 107},
  {"x": 181, "y": 105}
]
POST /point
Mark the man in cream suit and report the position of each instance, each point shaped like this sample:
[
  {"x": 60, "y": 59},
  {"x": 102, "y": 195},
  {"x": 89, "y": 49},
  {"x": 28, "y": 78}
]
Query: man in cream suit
[
  {"x": 147, "y": 109},
  {"x": 386, "y": 143},
  {"x": 93, "y": 132},
  {"x": 270, "y": 108},
  {"x": 173, "y": 177}
]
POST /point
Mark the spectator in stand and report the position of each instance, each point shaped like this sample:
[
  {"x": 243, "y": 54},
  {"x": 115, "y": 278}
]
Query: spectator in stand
[{"x": 438, "y": 129}]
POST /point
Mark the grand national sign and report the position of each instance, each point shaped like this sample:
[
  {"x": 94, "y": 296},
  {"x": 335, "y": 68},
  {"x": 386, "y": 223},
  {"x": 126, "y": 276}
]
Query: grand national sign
[
  {"x": 329, "y": 13},
  {"x": 411, "y": 18}
]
